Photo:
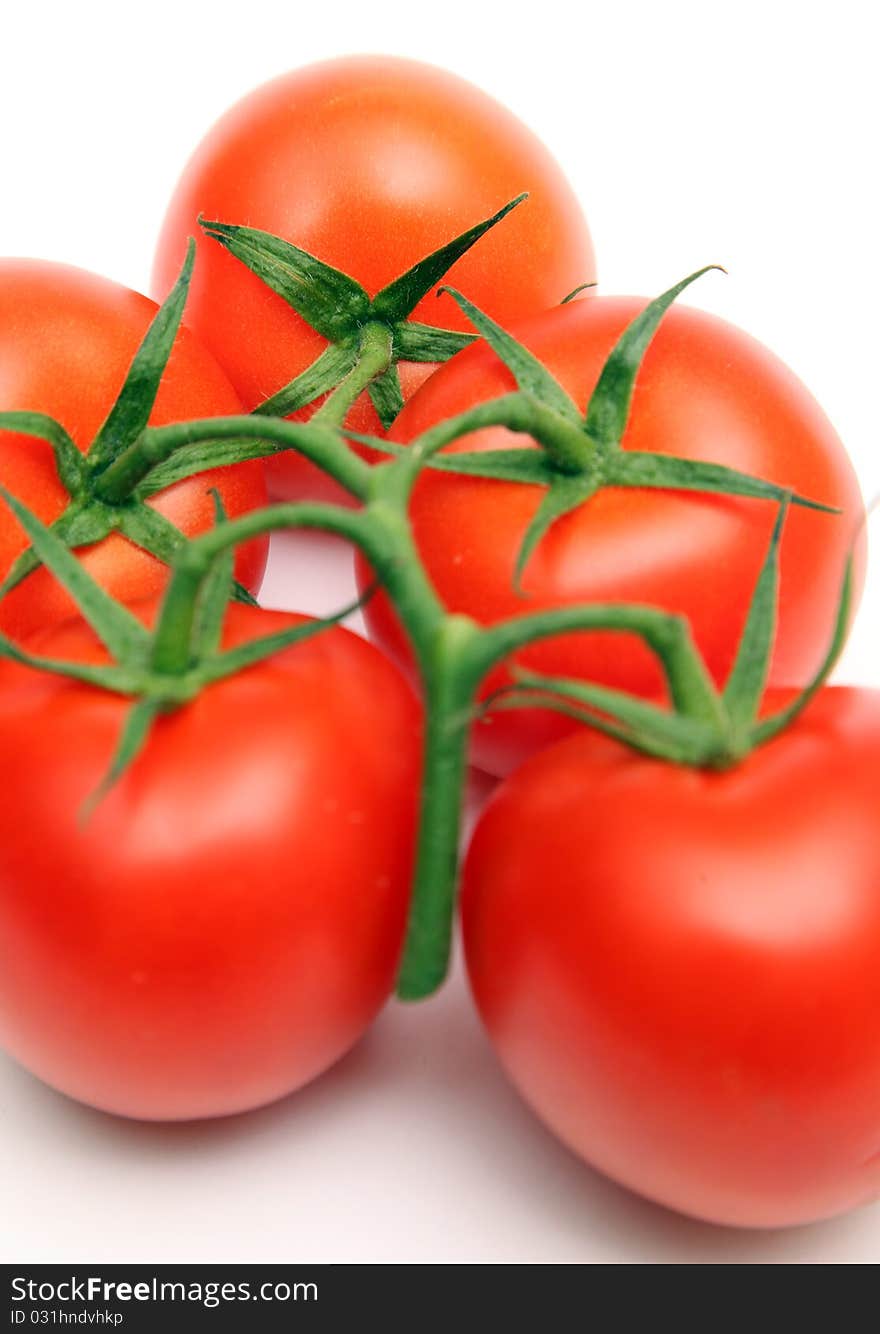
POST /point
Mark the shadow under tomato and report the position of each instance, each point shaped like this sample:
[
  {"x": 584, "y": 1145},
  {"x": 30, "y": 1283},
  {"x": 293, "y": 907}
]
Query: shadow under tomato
[
  {"x": 576, "y": 1198},
  {"x": 191, "y": 1137}
]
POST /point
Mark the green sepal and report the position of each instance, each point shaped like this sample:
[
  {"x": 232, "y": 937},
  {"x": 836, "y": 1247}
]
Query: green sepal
[
  {"x": 326, "y": 298},
  {"x": 150, "y": 530},
  {"x": 399, "y": 299},
  {"x": 324, "y": 374},
  {"x": 69, "y": 462},
  {"x": 521, "y": 698},
  {"x": 644, "y": 726},
  {"x": 140, "y": 719},
  {"x": 114, "y": 625},
  {"x": 79, "y": 525},
  {"x": 211, "y": 667},
  {"x": 338, "y": 308},
  {"x": 130, "y": 413},
  {"x": 215, "y": 594},
  {"x": 770, "y": 727},
  {"x": 576, "y": 291},
  {"x": 725, "y": 731},
  {"x": 745, "y": 685},
  {"x": 379, "y": 444},
  {"x": 627, "y": 468},
  {"x": 191, "y": 460},
  {"x": 422, "y": 342},
  {"x": 669, "y": 473},
  {"x": 530, "y": 374},
  {"x": 255, "y": 650},
  {"x": 531, "y": 467},
  {"x": 386, "y": 396},
  {"x": 563, "y": 495},
  {"x": 112, "y": 677},
  {"x": 609, "y": 405}
]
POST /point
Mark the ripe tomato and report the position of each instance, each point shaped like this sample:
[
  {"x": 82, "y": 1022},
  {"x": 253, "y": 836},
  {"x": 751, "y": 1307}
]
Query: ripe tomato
[
  {"x": 680, "y": 970},
  {"x": 66, "y": 341},
  {"x": 705, "y": 391},
  {"x": 369, "y": 163},
  {"x": 228, "y": 921}
]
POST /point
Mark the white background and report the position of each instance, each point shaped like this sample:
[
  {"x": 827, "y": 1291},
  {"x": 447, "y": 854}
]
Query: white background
[{"x": 745, "y": 135}]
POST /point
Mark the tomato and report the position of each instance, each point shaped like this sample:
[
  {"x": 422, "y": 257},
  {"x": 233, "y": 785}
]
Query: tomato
[
  {"x": 228, "y": 921},
  {"x": 369, "y": 163},
  {"x": 67, "y": 339},
  {"x": 680, "y": 970},
  {"x": 707, "y": 391}
]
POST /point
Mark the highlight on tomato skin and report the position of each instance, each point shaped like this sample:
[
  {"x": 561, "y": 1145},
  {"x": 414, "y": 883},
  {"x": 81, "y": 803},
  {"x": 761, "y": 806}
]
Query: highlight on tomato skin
[
  {"x": 369, "y": 163},
  {"x": 228, "y": 921},
  {"x": 67, "y": 338},
  {"x": 706, "y": 390},
  {"x": 683, "y": 982}
]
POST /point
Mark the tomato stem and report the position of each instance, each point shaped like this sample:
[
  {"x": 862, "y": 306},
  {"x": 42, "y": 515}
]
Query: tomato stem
[
  {"x": 449, "y": 698},
  {"x": 173, "y": 639},
  {"x": 251, "y": 437},
  {"x": 375, "y": 355},
  {"x": 450, "y": 675}
]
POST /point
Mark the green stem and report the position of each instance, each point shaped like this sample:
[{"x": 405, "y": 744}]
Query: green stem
[
  {"x": 453, "y": 656},
  {"x": 512, "y": 411},
  {"x": 449, "y": 691},
  {"x": 690, "y": 687},
  {"x": 156, "y": 444},
  {"x": 374, "y": 358},
  {"x": 570, "y": 448},
  {"x": 173, "y": 640},
  {"x": 441, "y": 645}
]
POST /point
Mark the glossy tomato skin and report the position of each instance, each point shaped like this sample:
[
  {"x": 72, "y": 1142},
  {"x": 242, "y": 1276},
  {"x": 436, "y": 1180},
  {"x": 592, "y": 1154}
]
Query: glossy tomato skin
[
  {"x": 680, "y": 971},
  {"x": 228, "y": 922},
  {"x": 67, "y": 339},
  {"x": 706, "y": 390},
  {"x": 370, "y": 163}
]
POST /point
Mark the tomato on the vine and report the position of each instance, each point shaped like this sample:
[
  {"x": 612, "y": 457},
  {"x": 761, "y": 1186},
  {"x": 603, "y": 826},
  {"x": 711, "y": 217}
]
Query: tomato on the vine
[
  {"x": 228, "y": 920},
  {"x": 680, "y": 970},
  {"x": 67, "y": 339},
  {"x": 369, "y": 163},
  {"x": 705, "y": 391}
]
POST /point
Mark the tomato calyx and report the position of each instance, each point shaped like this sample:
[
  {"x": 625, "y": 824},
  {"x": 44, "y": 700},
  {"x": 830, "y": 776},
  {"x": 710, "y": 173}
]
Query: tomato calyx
[
  {"x": 579, "y": 452},
  {"x": 340, "y": 310},
  {"x": 162, "y": 669},
  {"x": 706, "y": 727},
  {"x": 94, "y": 509}
]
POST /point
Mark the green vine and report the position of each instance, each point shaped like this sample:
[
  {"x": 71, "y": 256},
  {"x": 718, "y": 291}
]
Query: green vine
[{"x": 578, "y": 452}]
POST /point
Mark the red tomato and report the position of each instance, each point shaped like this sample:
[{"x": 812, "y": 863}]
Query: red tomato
[
  {"x": 369, "y": 163},
  {"x": 228, "y": 922},
  {"x": 706, "y": 391},
  {"x": 67, "y": 339},
  {"x": 680, "y": 970}
]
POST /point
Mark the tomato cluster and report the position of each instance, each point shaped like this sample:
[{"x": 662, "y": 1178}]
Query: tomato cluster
[{"x": 600, "y": 545}]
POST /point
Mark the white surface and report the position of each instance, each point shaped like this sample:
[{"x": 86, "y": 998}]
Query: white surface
[{"x": 745, "y": 136}]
